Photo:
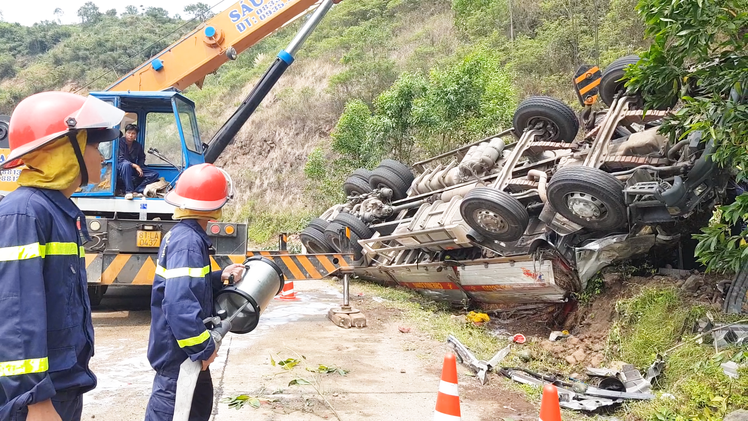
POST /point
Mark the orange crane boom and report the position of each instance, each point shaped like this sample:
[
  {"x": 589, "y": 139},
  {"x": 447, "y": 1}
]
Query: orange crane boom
[{"x": 212, "y": 44}]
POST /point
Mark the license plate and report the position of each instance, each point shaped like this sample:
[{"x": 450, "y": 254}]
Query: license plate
[{"x": 148, "y": 239}]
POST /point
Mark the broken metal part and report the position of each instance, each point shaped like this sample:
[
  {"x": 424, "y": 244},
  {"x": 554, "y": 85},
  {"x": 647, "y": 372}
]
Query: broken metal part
[
  {"x": 598, "y": 254},
  {"x": 633, "y": 380},
  {"x": 731, "y": 369},
  {"x": 466, "y": 357},
  {"x": 481, "y": 368},
  {"x": 567, "y": 398},
  {"x": 654, "y": 370},
  {"x": 494, "y": 362}
]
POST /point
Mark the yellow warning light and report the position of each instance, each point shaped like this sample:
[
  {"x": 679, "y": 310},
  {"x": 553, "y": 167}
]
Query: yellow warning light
[{"x": 229, "y": 229}]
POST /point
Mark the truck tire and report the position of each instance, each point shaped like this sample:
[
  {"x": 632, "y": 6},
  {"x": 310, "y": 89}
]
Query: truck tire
[
  {"x": 356, "y": 225},
  {"x": 361, "y": 173},
  {"x": 355, "y": 186},
  {"x": 736, "y": 301},
  {"x": 400, "y": 169},
  {"x": 589, "y": 197},
  {"x": 612, "y": 80},
  {"x": 4, "y": 120},
  {"x": 314, "y": 240},
  {"x": 494, "y": 214},
  {"x": 386, "y": 177},
  {"x": 96, "y": 293},
  {"x": 319, "y": 223},
  {"x": 332, "y": 235},
  {"x": 557, "y": 119}
]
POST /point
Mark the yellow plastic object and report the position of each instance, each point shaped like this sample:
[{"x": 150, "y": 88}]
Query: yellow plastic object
[
  {"x": 477, "y": 317},
  {"x": 212, "y": 44}
]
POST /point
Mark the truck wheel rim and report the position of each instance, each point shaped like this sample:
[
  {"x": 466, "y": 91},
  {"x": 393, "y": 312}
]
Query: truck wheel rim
[
  {"x": 491, "y": 221},
  {"x": 586, "y": 206},
  {"x": 548, "y": 126}
]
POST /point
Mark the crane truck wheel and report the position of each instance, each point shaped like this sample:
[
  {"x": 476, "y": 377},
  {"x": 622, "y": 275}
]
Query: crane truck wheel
[
  {"x": 589, "y": 197},
  {"x": 383, "y": 177},
  {"x": 4, "y": 120},
  {"x": 314, "y": 240},
  {"x": 494, "y": 214},
  {"x": 556, "y": 119},
  {"x": 400, "y": 169},
  {"x": 96, "y": 293},
  {"x": 355, "y": 186}
]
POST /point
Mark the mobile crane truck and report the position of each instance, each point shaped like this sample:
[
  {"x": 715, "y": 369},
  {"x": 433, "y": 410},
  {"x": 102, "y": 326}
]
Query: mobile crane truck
[{"x": 126, "y": 234}]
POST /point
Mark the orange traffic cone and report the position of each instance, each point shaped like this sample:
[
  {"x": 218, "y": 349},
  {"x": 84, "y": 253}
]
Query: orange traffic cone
[
  {"x": 448, "y": 400},
  {"x": 288, "y": 293},
  {"x": 549, "y": 407}
]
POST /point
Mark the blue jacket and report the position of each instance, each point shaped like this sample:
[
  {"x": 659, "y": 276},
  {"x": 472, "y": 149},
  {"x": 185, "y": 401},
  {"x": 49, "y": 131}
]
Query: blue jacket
[
  {"x": 182, "y": 298},
  {"x": 136, "y": 155},
  {"x": 46, "y": 334}
]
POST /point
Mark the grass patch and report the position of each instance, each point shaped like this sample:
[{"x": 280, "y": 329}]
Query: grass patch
[
  {"x": 654, "y": 322},
  {"x": 263, "y": 224},
  {"x": 437, "y": 320}
]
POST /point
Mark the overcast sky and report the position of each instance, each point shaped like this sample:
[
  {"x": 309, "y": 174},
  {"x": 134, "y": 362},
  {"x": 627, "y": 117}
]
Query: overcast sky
[{"x": 28, "y": 12}]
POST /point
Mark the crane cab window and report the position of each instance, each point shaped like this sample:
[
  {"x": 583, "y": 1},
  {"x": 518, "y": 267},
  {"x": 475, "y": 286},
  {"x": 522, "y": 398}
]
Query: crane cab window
[
  {"x": 188, "y": 124},
  {"x": 161, "y": 134}
]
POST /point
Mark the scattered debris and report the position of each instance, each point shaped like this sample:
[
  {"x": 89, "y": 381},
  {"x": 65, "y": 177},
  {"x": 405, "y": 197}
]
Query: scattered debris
[
  {"x": 576, "y": 395},
  {"x": 403, "y": 329},
  {"x": 378, "y": 299},
  {"x": 556, "y": 335},
  {"x": 519, "y": 338},
  {"x": 731, "y": 369},
  {"x": 481, "y": 368},
  {"x": 478, "y": 317}
]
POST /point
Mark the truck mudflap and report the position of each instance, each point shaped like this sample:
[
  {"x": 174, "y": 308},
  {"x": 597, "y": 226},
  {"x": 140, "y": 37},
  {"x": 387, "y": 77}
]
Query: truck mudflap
[
  {"x": 300, "y": 267},
  {"x": 498, "y": 280},
  {"x": 136, "y": 269}
]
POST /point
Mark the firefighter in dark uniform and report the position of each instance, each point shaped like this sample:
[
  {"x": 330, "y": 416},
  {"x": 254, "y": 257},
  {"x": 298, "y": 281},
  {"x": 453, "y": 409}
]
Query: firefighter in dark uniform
[
  {"x": 183, "y": 290},
  {"x": 45, "y": 316}
]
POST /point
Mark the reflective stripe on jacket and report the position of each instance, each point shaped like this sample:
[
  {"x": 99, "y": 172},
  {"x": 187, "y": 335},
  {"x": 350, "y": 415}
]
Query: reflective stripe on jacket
[
  {"x": 182, "y": 298},
  {"x": 45, "y": 316}
]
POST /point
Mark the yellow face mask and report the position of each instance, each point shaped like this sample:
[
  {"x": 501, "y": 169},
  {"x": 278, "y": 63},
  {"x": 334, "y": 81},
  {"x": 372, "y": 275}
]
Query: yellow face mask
[
  {"x": 180, "y": 213},
  {"x": 53, "y": 166}
]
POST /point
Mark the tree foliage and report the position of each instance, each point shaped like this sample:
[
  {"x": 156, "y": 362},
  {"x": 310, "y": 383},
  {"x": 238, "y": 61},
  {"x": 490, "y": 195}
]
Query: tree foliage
[{"x": 700, "y": 56}]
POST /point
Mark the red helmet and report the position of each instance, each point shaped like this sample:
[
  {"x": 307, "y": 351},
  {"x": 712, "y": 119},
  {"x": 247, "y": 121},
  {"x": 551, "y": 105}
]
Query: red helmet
[
  {"x": 202, "y": 187},
  {"x": 47, "y": 116}
]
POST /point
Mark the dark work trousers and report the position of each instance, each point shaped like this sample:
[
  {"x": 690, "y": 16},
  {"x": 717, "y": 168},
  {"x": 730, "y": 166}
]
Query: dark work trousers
[
  {"x": 129, "y": 177},
  {"x": 68, "y": 405},
  {"x": 164, "y": 393}
]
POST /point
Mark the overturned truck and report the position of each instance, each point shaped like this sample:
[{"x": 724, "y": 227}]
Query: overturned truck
[{"x": 531, "y": 214}]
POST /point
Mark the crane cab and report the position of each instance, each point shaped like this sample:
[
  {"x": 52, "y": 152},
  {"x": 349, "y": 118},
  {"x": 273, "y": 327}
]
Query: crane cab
[{"x": 170, "y": 139}]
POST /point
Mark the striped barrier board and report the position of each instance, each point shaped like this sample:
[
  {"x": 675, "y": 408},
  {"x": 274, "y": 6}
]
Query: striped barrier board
[
  {"x": 139, "y": 269},
  {"x": 136, "y": 269},
  {"x": 299, "y": 267}
]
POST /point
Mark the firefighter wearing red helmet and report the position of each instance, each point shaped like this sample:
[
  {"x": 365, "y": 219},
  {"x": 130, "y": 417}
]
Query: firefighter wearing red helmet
[
  {"x": 183, "y": 290},
  {"x": 45, "y": 315}
]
